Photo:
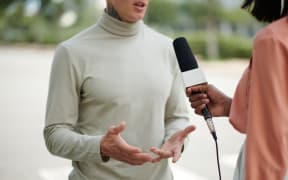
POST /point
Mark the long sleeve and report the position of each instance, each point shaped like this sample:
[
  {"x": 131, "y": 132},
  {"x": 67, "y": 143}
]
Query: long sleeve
[
  {"x": 239, "y": 107},
  {"x": 62, "y": 112},
  {"x": 267, "y": 119},
  {"x": 111, "y": 72},
  {"x": 63, "y": 141}
]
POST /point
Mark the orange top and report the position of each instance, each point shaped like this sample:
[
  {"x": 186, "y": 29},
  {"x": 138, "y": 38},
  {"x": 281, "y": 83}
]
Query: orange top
[{"x": 260, "y": 105}]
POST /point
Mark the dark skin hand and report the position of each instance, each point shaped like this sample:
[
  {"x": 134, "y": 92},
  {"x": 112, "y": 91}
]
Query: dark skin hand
[{"x": 218, "y": 103}]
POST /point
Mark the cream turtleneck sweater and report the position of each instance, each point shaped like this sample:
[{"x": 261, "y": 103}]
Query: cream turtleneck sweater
[{"x": 113, "y": 72}]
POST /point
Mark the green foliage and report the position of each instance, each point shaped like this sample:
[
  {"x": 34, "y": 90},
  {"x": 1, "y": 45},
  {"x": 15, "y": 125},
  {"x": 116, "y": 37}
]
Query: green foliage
[
  {"x": 52, "y": 12},
  {"x": 235, "y": 46},
  {"x": 167, "y": 16},
  {"x": 4, "y": 4},
  {"x": 197, "y": 42},
  {"x": 238, "y": 16},
  {"x": 162, "y": 12},
  {"x": 229, "y": 46},
  {"x": 43, "y": 27},
  {"x": 203, "y": 10}
]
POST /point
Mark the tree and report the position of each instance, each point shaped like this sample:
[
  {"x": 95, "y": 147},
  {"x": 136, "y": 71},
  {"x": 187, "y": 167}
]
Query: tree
[
  {"x": 208, "y": 14},
  {"x": 4, "y": 4},
  {"x": 162, "y": 13}
]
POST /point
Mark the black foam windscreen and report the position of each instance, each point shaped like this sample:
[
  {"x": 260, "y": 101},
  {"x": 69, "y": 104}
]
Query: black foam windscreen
[{"x": 185, "y": 57}]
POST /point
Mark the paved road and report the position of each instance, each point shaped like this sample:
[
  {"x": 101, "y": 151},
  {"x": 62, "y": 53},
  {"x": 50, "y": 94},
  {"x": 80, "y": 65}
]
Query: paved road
[{"x": 24, "y": 74}]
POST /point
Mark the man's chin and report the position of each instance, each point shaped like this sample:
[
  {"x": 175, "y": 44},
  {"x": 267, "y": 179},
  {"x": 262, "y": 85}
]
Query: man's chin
[{"x": 135, "y": 19}]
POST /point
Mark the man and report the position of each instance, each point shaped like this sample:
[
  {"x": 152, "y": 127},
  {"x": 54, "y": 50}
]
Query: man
[{"x": 122, "y": 76}]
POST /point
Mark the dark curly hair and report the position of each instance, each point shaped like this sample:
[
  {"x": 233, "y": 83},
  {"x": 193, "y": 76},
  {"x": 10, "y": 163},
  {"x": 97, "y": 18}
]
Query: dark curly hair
[{"x": 266, "y": 10}]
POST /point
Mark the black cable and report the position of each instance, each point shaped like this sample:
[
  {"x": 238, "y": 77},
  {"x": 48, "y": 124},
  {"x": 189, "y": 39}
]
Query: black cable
[{"x": 217, "y": 153}]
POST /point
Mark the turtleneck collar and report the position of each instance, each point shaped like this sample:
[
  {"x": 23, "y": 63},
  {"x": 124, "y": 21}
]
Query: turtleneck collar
[{"x": 118, "y": 27}]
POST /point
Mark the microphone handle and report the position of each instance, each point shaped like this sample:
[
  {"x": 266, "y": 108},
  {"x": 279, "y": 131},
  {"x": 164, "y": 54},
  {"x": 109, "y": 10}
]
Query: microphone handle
[
  {"x": 206, "y": 113},
  {"x": 208, "y": 118}
]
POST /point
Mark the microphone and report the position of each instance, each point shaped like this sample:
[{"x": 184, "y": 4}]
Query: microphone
[{"x": 192, "y": 74}]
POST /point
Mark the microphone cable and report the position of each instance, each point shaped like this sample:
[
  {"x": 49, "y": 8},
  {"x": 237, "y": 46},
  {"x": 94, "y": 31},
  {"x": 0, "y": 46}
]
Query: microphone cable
[
  {"x": 217, "y": 154},
  {"x": 208, "y": 118}
]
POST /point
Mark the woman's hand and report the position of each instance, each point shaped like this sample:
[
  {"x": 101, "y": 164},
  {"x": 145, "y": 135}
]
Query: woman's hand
[{"x": 201, "y": 95}]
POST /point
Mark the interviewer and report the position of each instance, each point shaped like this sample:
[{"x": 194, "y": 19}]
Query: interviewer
[{"x": 259, "y": 106}]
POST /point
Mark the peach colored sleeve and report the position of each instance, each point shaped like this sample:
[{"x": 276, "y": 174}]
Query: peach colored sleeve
[
  {"x": 267, "y": 117},
  {"x": 239, "y": 107}
]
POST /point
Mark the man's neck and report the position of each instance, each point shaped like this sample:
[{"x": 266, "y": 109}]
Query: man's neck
[{"x": 112, "y": 12}]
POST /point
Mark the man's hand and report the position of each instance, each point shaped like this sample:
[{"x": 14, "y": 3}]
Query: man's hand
[
  {"x": 114, "y": 146},
  {"x": 173, "y": 146}
]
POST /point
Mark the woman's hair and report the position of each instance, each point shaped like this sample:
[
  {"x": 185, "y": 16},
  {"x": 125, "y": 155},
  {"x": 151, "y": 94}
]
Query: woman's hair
[{"x": 266, "y": 10}]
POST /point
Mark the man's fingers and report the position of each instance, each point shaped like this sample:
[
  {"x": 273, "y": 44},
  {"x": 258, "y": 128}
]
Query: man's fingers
[
  {"x": 158, "y": 159},
  {"x": 129, "y": 149},
  {"x": 143, "y": 157},
  {"x": 164, "y": 155},
  {"x": 161, "y": 153},
  {"x": 176, "y": 156},
  {"x": 189, "y": 129},
  {"x": 117, "y": 129},
  {"x": 183, "y": 134},
  {"x": 135, "y": 158}
]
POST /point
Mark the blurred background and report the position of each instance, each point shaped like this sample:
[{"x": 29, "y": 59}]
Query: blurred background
[
  {"x": 211, "y": 26},
  {"x": 219, "y": 32}
]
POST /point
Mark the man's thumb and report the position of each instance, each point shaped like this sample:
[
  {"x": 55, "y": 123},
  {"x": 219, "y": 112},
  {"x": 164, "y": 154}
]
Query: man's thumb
[{"x": 117, "y": 129}]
